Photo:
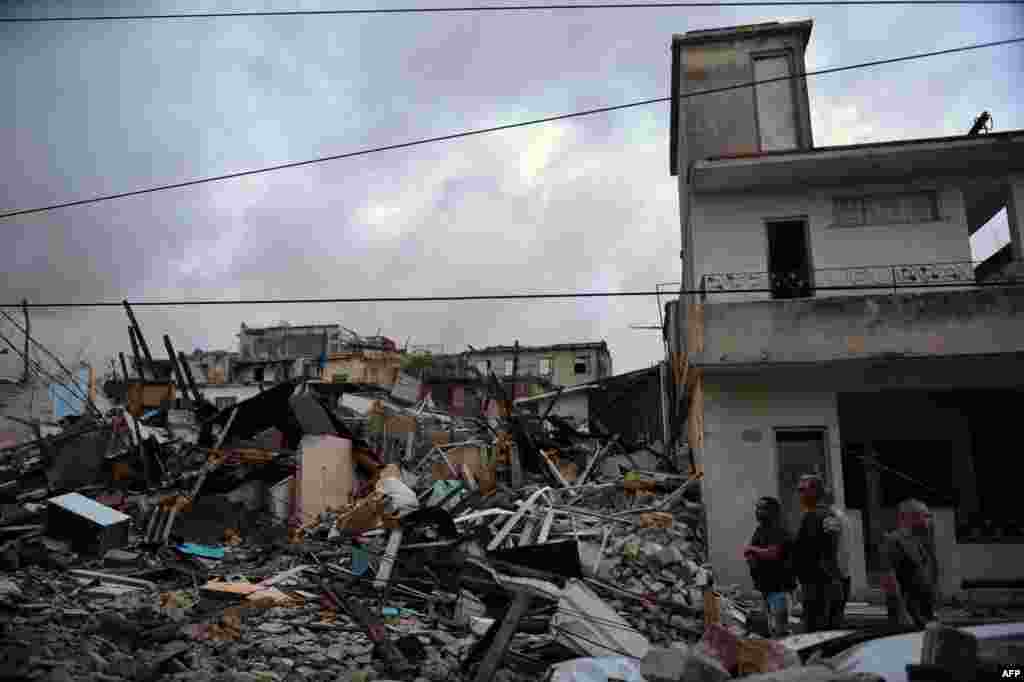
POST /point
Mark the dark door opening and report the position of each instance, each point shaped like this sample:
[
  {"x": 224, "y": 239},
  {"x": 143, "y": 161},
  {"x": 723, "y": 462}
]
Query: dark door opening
[
  {"x": 800, "y": 451},
  {"x": 789, "y": 261}
]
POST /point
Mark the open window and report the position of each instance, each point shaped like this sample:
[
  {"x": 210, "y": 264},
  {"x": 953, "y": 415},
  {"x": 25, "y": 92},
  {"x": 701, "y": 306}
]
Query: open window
[
  {"x": 582, "y": 365},
  {"x": 789, "y": 258}
]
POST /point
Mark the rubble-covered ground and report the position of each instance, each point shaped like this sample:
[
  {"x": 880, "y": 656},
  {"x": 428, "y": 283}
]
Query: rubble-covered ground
[{"x": 289, "y": 537}]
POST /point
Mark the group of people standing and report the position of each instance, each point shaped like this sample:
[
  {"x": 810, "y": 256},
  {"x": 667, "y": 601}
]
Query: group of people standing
[{"x": 817, "y": 559}]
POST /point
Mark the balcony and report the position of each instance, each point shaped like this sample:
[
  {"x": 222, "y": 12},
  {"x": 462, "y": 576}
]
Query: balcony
[
  {"x": 856, "y": 280},
  {"x": 903, "y": 311}
]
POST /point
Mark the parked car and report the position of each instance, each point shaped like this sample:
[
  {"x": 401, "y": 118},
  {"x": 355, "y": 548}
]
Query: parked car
[{"x": 887, "y": 652}]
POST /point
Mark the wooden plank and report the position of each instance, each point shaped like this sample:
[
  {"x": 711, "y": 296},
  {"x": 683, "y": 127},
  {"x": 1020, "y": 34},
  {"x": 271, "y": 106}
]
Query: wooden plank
[
  {"x": 509, "y": 624},
  {"x": 545, "y": 528},
  {"x": 526, "y": 507}
]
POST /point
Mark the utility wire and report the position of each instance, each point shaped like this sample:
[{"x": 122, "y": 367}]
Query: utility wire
[
  {"x": 41, "y": 371},
  {"x": 502, "y": 297},
  {"x": 481, "y": 131},
  {"x": 501, "y": 8},
  {"x": 39, "y": 346}
]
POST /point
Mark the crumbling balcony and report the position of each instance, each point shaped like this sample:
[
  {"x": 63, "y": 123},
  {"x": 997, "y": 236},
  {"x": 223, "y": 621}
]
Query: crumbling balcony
[
  {"x": 749, "y": 286},
  {"x": 904, "y": 311}
]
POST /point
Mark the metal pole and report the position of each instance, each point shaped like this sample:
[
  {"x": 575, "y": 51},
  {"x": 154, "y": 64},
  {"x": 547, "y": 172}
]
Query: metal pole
[
  {"x": 139, "y": 366},
  {"x": 142, "y": 339},
  {"x": 28, "y": 334},
  {"x": 188, "y": 375},
  {"x": 174, "y": 363}
]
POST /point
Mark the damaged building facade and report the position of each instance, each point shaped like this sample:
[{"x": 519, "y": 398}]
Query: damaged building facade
[
  {"x": 783, "y": 366},
  {"x": 566, "y": 364}
]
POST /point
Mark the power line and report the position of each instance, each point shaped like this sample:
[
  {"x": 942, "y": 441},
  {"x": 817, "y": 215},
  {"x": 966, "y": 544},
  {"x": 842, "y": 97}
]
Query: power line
[
  {"x": 481, "y": 131},
  {"x": 500, "y": 8},
  {"x": 501, "y": 297}
]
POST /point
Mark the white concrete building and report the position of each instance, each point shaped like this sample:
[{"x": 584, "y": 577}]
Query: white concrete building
[{"x": 904, "y": 389}]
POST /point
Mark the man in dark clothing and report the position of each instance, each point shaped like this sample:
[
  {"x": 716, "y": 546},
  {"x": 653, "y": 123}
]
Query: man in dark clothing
[
  {"x": 911, "y": 576},
  {"x": 815, "y": 556},
  {"x": 768, "y": 556}
]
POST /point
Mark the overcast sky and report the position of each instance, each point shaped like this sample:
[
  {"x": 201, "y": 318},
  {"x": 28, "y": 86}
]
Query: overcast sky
[{"x": 585, "y": 204}]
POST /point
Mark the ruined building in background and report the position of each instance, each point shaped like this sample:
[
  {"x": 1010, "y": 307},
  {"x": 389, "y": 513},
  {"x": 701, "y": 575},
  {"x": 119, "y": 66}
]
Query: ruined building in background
[
  {"x": 564, "y": 364},
  {"x": 461, "y": 381},
  {"x": 783, "y": 366},
  {"x": 327, "y": 351}
]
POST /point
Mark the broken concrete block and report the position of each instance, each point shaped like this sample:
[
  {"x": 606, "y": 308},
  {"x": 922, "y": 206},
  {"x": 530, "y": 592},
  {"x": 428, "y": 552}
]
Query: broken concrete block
[
  {"x": 681, "y": 663},
  {"x": 701, "y": 667},
  {"x": 664, "y": 665},
  {"x": 670, "y": 556}
]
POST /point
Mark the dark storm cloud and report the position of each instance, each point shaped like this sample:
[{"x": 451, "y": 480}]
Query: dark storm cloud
[{"x": 584, "y": 204}]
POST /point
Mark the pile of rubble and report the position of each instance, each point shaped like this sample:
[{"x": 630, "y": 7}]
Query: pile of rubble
[{"x": 303, "y": 534}]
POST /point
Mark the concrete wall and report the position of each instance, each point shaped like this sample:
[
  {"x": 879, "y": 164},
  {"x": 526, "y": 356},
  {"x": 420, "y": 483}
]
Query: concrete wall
[
  {"x": 376, "y": 367},
  {"x": 937, "y": 323},
  {"x": 739, "y": 468},
  {"x": 562, "y": 365},
  {"x": 729, "y": 234},
  {"x": 740, "y": 463},
  {"x": 726, "y": 123}
]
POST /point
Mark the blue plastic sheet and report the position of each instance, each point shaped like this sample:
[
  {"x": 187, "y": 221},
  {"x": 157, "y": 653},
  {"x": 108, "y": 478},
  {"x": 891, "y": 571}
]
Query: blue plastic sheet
[{"x": 203, "y": 551}]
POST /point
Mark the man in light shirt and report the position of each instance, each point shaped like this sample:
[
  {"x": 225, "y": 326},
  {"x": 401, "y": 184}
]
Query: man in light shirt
[{"x": 837, "y": 612}]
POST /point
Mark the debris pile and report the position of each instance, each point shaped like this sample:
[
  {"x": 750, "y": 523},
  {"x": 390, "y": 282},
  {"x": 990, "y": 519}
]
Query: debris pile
[{"x": 317, "y": 532}]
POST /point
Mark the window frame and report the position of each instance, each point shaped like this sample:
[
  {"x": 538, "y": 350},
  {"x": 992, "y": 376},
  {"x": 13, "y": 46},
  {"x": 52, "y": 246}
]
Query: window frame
[
  {"x": 546, "y": 366},
  {"x": 865, "y": 202},
  {"x": 510, "y": 366},
  {"x": 576, "y": 363}
]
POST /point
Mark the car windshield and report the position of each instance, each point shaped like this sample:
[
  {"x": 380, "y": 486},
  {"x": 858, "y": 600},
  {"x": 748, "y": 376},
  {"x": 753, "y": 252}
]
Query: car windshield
[{"x": 1001, "y": 644}]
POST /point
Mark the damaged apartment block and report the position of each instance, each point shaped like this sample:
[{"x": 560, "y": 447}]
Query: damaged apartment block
[{"x": 902, "y": 390}]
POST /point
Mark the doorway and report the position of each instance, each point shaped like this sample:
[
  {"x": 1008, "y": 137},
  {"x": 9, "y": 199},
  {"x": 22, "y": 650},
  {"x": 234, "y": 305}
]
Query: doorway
[
  {"x": 789, "y": 258},
  {"x": 799, "y": 452}
]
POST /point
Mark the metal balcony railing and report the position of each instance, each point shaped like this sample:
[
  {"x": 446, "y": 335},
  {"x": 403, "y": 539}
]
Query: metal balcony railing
[{"x": 869, "y": 278}]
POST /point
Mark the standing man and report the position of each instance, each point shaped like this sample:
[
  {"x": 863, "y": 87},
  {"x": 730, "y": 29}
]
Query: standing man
[
  {"x": 837, "y": 613},
  {"x": 911, "y": 576},
  {"x": 768, "y": 557},
  {"x": 815, "y": 555}
]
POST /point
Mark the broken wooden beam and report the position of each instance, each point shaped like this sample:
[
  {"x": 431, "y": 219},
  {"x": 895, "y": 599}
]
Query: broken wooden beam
[{"x": 509, "y": 624}]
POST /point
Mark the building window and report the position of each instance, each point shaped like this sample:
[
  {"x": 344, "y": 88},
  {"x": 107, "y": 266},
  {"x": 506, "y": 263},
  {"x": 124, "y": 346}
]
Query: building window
[
  {"x": 222, "y": 403},
  {"x": 484, "y": 367},
  {"x": 509, "y": 367},
  {"x": 886, "y": 209},
  {"x": 582, "y": 365},
  {"x": 545, "y": 367},
  {"x": 257, "y": 375}
]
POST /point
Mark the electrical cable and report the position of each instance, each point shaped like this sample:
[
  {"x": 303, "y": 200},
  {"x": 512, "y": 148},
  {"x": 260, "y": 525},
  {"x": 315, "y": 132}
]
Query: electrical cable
[
  {"x": 41, "y": 371},
  {"x": 481, "y": 131},
  {"x": 501, "y": 8},
  {"x": 502, "y": 297},
  {"x": 39, "y": 346}
]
